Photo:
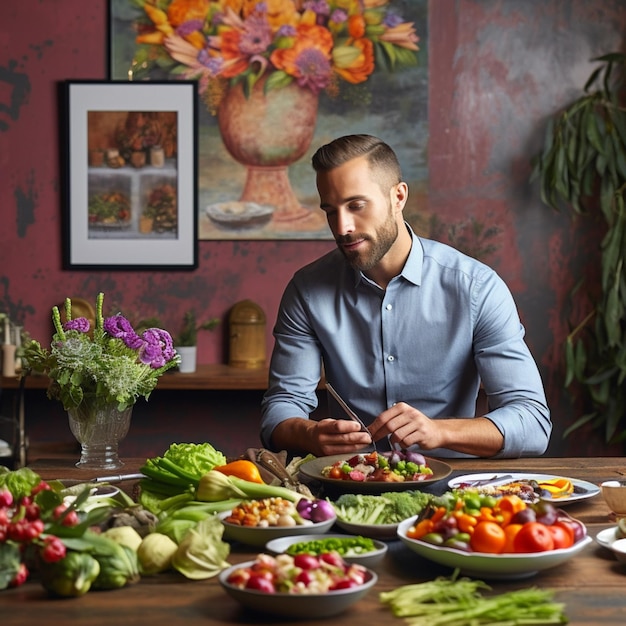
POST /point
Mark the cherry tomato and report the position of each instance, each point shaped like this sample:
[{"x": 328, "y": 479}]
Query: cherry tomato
[
  {"x": 563, "y": 537},
  {"x": 569, "y": 528},
  {"x": 488, "y": 537},
  {"x": 533, "y": 537},
  {"x": 336, "y": 473},
  {"x": 577, "y": 527}
]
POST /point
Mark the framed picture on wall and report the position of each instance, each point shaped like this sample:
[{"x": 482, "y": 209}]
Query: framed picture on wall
[{"x": 130, "y": 188}]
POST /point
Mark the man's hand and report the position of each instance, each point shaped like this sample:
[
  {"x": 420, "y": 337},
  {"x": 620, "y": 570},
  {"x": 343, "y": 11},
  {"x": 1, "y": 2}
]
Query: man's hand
[
  {"x": 332, "y": 436},
  {"x": 407, "y": 426},
  {"x": 321, "y": 438}
]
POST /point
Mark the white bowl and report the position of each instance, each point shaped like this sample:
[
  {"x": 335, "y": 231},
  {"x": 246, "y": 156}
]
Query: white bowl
[
  {"x": 614, "y": 494},
  {"x": 368, "y": 559},
  {"x": 483, "y": 565},
  {"x": 374, "y": 531},
  {"x": 610, "y": 538},
  {"x": 299, "y": 606},
  {"x": 259, "y": 536}
]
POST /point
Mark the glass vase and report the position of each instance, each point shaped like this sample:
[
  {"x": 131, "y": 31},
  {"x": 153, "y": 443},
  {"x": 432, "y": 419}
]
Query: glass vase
[{"x": 99, "y": 428}]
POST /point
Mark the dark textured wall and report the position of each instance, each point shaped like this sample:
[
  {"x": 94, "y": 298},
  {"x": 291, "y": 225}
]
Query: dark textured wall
[{"x": 497, "y": 70}]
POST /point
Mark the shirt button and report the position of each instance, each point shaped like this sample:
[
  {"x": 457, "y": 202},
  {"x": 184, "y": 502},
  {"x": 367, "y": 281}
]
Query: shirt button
[
  {"x": 389, "y": 307},
  {"x": 391, "y": 358}
]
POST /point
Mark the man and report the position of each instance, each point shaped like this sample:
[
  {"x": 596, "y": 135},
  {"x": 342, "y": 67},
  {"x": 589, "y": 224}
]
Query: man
[{"x": 406, "y": 330}]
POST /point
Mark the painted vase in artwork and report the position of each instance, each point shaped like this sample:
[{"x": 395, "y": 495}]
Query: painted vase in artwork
[{"x": 267, "y": 132}]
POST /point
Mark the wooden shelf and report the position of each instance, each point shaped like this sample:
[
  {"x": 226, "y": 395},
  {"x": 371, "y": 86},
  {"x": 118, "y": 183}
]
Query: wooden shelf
[{"x": 209, "y": 376}]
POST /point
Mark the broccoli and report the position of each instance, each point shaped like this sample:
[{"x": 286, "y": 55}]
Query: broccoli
[{"x": 406, "y": 504}]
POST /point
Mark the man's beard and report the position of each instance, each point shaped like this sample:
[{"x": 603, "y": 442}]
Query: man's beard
[{"x": 385, "y": 236}]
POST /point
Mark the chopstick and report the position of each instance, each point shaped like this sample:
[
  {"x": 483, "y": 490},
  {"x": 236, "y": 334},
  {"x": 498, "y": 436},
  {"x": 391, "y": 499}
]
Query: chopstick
[{"x": 348, "y": 411}]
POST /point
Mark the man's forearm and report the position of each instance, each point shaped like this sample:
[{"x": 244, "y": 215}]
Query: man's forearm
[
  {"x": 478, "y": 436},
  {"x": 293, "y": 434}
]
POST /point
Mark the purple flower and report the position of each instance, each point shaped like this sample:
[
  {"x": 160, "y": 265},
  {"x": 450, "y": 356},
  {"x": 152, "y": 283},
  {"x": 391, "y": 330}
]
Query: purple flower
[
  {"x": 188, "y": 27},
  {"x": 157, "y": 348},
  {"x": 392, "y": 20},
  {"x": 81, "y": 324},
  {"x": 120, "y": 328},
  {"x": 314, "y": 70},
  {"x": 339, "y": 16}
]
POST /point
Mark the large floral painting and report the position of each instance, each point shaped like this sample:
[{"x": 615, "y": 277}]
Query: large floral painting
[{"x": 277, "y": 79}]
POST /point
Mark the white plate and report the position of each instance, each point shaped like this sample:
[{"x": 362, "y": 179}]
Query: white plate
[
  {"x": 482, "y": 565},
  {"x": 259, "y": 536},
  {"x": 279, "y": 546},
  {"x": 582, "y": 488},
  {"x": 300, "y": 606},
  {"x": 607, "y": 538}
]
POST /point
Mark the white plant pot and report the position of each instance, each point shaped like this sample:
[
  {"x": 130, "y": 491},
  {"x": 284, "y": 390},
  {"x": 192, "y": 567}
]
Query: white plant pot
[{"x": 188, "y": 355}]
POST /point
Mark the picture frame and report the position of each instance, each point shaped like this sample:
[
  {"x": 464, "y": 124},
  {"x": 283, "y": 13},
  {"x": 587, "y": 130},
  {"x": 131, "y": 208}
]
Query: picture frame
[{"x": 130, "y": 179}]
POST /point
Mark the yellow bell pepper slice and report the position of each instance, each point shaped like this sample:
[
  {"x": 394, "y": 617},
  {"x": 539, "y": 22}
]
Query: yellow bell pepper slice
[{"x": 557, "y": 487}]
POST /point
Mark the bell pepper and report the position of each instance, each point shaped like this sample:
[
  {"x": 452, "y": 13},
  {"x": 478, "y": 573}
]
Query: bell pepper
[
  {"x": 246, "y": 470},
  {"x": 558, "y": 487}
]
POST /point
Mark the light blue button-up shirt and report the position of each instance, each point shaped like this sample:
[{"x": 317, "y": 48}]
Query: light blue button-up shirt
[{"x": 439, "y": 329}]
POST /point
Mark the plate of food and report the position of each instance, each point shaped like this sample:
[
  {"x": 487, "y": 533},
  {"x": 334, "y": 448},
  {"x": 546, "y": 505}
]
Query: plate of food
[
  {"x": 375, "y": 472},
  {"x": 530, "y": 487}
]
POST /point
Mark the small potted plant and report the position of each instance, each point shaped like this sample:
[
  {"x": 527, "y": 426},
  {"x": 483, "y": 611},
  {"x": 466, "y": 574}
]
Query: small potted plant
[{"x": 187, "y": 340}]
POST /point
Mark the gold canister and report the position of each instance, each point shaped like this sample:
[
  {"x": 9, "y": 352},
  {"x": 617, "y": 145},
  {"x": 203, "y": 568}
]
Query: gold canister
[{"x": 247, "y": 335}]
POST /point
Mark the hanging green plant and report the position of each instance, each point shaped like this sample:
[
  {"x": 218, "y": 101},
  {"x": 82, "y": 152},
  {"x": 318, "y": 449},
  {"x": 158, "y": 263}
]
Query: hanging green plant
[{"x": 583, "y": 166}]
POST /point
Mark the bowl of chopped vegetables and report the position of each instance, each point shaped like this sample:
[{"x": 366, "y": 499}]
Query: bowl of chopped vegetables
[
  {"x": 488, "y": 565},
  {"x": 255, "y": 522},
  {"x": 302, "y": 586},
  {"x": 352, "y": 548}
]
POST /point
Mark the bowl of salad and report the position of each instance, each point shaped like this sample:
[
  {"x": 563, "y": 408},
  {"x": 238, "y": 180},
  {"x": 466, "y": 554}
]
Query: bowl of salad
[
  {"x": 300, "y": 587},
  {"x": 503, "y": 539},
  {"x": 377, "y": 515},
  {"x": 352, "y": 548}
]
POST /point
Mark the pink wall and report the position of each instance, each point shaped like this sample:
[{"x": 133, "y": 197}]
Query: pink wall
[{"x": 497, "y": 69}]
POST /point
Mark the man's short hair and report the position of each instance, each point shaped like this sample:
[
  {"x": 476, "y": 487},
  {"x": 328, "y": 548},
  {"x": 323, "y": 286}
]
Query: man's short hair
[{"x": 381, "y": 158}]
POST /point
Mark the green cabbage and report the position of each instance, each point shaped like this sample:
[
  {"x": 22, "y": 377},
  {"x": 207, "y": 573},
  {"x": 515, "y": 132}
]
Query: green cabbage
[{"x": 202, "y": 553}]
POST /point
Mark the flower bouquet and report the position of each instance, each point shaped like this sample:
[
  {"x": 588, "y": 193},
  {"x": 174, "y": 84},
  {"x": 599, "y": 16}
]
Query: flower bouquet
[
  {"x": 98, "y": 374},
  {"x": 313, "y": 42}
]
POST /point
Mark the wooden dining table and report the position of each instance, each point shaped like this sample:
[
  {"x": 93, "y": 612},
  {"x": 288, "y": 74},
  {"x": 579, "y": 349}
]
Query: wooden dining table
[{"x": 592, "y": 585}]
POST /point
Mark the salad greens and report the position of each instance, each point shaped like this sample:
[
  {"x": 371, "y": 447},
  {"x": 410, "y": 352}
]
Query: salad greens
[{"x": 386, "y": 508}]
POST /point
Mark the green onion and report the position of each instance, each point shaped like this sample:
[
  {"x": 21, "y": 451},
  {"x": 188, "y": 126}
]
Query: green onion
[{"x": 457, "y": 602}]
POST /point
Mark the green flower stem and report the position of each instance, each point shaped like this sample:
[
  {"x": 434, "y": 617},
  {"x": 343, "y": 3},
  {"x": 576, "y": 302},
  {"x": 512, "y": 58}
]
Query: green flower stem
[
  {"x": 56, "y": 320},
  {"x": 99, "y": 316}
]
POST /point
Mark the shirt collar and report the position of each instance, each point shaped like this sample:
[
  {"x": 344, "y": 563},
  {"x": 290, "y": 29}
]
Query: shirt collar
[{"x": 412, "y": 270}]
